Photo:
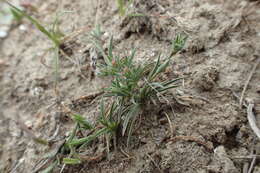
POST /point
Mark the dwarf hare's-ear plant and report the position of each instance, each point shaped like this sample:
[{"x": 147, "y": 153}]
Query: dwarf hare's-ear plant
[{"x": 134, "y": 85}]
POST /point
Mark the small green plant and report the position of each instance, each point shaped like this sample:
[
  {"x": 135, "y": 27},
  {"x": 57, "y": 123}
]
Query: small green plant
[
  {"x": 134, "y": 85},
  {"x": 178, "y": 43}
]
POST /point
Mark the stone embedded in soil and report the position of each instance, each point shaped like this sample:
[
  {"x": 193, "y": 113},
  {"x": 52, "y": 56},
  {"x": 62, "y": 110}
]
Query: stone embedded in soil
[
  {"x": 221, "y": 162},
  {"x": 195, "y": 45},
  {"x": 205, "y": 79}
]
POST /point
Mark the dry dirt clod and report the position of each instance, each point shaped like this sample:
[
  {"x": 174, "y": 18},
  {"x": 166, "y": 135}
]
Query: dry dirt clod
[
  {"x": 206, "y": 78},
  {"x": 135, "y": 25}
]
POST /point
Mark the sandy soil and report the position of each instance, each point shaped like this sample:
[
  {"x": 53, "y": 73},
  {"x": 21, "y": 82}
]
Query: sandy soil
[{"x": 208, "y": 131}]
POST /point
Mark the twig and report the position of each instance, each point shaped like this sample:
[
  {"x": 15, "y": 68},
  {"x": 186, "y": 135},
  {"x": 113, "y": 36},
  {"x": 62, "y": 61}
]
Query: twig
[
  {"x": 252, "y": 165},
  {"x": 252, "y": 120},
  {"x": 125, "y": 153},
  {"x": 155, "y": 164},
  {"x": 250, "y": 116},
  {"x": 55, "y": 134},
  {"x": 246, "y": 164},
  {"x": 17, "y": 165},
  {"x": 88, "y": 97},
  {"x": 245, "y": 167},
  {"x": 247, "y": 82},
  {"x": 245, "y": 157},
  {"x": 96, "y": 158},
  {"x": 62, "y": 168},
  {"x": 43, "y": 162},
  {"x": 170, "y": 123},
  {"x": 192, "y": 139},
  {"x": 237, "y": 97}
]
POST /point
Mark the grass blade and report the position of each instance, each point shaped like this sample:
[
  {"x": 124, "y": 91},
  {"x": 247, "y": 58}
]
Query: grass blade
[
  {"x": 88, "y": 139},
  {"x": 121, "y": 7},
  {"x": 82, "y": 121},
  {"x": 110, "y": 49},
  {"x": 132, "y": 112},
  {"x": 153, "y": 71},
  {"x": 166, "y": 88},
  {"x": 35, "y": 22},
  {"x": 71, "y": 161},
  {"x": 161, "y": 68},
  {"x": 172, "y": 81}
]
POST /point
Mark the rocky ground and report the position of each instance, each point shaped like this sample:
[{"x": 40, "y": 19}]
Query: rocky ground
[{"x": 204, "y": 130}]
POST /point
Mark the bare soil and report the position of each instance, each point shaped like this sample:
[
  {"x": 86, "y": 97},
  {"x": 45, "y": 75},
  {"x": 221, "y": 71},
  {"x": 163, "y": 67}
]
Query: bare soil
[{"x": 208, "y": 132}]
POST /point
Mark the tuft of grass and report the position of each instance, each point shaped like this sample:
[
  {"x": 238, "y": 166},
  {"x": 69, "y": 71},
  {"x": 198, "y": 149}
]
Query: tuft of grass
[
  {"x": 134, "y": 85},
  {"x": 178, "y": 43},
  {"x": 132, "y": 88}
]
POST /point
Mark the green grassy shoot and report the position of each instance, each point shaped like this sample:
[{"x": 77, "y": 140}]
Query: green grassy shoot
[
  {"x": 123, "y": 5},
  {"x": 19, "y": 14},
  {"x": 134, "y": 85},
  {"x": 54, "y": 34},
  {"x": 178, "y": 43}
]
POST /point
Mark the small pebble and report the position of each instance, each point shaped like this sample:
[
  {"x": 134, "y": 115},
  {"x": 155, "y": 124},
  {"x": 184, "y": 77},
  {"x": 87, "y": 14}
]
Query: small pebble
[
  {"x": 22, "y": 28},
  {"x": 3, "y": 34}
]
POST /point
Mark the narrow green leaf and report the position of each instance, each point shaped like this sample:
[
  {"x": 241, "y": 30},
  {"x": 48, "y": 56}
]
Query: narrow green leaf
[
  {"x": 121, "y": 7},
  {"x": 130, "y": 131},
  {"x": 89, "y": 138},
  {"x": 71, "y": 161},
  {"x": 35, "y": 22},
  {"x": 17, "y": 16},
  {"x": 73, "y": 133},
  {"x": 133, "y": 110},
  {"x": 161, "y": 68},
  {"x": 156, "y": 85},
  {"x": 172, "y": 81},
  {"x": 166, "y": 88},
  {"x": 153, "y": 71},
  {"x": 130, "y": 62},
  {"x": 110, "y": 49},
  {"x": 82, "y": 121}
]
